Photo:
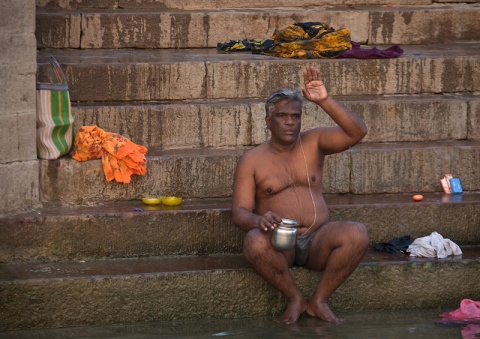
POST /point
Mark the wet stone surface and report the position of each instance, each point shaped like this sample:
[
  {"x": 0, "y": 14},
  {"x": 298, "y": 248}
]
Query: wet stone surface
[
  {"x": 379, "y": 324},
  {"x": 165, "y": 265}
]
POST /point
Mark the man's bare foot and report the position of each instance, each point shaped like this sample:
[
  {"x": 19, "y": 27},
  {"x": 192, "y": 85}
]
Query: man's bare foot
[
  {"x": 294, "y": 310},
  {"x": 321, "y": 310}
]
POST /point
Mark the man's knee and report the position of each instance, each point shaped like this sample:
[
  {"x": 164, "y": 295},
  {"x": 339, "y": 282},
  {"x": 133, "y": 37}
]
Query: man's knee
[
  {"x": 254, "y": 243},
  {"x": 358, "y": 233},
  {"x": 252, "y": 237}
]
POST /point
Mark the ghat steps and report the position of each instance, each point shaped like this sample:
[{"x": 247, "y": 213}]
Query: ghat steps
[
  {"x": 148, "y": 70},
  {"x": 185, "y": 74},
  {"x": 178, "y": 288},
  {"x": 185, "y": 124},
  {"x": 370, "y": 168},
  {"x": 204, "y": 226},
  {"x": 160, "y": 27}
]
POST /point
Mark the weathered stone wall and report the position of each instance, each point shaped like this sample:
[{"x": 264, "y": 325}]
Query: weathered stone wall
[{"x": 19, "y": 185}]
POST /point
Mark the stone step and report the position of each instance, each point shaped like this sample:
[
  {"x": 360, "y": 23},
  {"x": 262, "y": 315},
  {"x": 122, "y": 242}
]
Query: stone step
[
  {"x": 233, "y": 123},
  {"x": 138, "y": 75},
  {"x": 367, "y": 168},
  {"x": 175, "y": 28},
  {"x": 223, "y": 4},
  {"x": 203, "y": 227},
  {"x": 178, "y": 288}
]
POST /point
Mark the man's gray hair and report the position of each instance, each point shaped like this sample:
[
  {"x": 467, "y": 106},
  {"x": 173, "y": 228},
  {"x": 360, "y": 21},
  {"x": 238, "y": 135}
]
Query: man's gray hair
[{"x": 281, "y": 94}]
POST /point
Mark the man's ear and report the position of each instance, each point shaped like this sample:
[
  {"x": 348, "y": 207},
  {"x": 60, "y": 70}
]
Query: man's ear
[{"x": 267, "y": 121}]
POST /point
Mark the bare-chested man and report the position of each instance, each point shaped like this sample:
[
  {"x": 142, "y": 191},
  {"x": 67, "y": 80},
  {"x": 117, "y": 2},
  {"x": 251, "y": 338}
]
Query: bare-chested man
[{"x": 282, "y": 178}]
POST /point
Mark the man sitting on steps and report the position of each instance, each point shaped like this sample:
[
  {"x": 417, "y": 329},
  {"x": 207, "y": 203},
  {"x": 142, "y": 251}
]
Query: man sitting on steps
[{"x": 282, "y": 178}]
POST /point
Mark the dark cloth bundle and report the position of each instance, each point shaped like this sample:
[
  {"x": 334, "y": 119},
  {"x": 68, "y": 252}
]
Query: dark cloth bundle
[{"x": 395, "y": 245}]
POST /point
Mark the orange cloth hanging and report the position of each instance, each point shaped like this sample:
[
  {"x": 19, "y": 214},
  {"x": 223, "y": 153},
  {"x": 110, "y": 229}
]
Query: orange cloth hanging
[{"x": 121, "y": 158}]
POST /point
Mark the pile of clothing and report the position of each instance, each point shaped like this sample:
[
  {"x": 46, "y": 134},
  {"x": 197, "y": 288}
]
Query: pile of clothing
[
  {"x": 433, "y": 245},
  {"x": 309, "y": 40},
  {"x": 430, "y": 246}
]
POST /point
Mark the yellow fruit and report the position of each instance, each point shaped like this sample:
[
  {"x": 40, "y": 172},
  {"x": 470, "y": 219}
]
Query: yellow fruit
[
  {"x": 171, "y": 201},
  {"x": 152, "y": 201}
]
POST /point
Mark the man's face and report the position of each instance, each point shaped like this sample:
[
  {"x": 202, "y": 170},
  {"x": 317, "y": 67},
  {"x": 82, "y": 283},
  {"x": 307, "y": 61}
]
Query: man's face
[{"x": 285, "y": 121}]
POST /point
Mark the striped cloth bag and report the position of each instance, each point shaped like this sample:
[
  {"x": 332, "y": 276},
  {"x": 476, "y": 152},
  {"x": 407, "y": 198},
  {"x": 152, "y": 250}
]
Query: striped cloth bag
[{"x": 54, "y": 117}]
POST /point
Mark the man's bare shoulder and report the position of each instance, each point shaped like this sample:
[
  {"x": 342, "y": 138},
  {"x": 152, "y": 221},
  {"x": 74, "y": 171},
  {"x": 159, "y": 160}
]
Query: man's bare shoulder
[
  {"x": 257, "y": 151},
  {"x": 250, "y": 159}
]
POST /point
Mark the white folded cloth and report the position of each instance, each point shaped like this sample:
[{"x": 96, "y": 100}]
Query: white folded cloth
[{"x": 433, "y": 245}]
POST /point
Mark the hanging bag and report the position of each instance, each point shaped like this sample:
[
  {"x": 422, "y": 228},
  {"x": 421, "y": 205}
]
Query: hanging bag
[{"x": 54, "y": 117}]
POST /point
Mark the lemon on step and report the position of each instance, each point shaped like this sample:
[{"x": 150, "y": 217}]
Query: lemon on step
[
  {"x": 152, "y": 201},
  {"x": 171, "y": 201}
]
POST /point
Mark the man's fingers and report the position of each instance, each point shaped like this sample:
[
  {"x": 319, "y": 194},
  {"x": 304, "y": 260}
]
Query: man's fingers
[
  {"x": 306, "y": 77},
  {"x": 311, "y": 74},
  {"x": 318, "y": 75},
  {"x": 267, "y": 223}
]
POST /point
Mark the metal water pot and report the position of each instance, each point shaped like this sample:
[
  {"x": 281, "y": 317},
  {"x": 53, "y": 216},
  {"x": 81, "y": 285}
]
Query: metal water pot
[{"x": 285, "y": 235}]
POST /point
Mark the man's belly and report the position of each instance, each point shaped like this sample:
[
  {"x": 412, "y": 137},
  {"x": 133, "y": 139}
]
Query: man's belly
[{"x": 296, "y": 203}]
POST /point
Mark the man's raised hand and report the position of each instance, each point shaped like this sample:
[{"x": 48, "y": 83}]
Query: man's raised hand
[{"x": 314, "y": 89}]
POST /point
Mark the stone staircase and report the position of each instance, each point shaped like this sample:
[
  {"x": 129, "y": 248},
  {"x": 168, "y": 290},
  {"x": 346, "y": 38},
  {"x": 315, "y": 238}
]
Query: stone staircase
[{"x": 148, "y": 69}]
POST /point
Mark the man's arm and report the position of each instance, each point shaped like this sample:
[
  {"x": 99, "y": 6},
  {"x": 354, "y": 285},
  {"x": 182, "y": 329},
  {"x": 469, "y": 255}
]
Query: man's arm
[
  {"x": 243, "y": 202},
  {"x": 350, "y": 130}
]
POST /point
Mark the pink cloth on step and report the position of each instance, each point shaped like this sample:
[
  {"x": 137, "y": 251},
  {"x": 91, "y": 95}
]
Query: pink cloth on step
[{"x": 469, "y": 309}]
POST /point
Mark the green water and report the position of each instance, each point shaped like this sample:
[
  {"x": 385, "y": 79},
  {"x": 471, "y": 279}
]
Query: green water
[{"x": 359, "y": 325}]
